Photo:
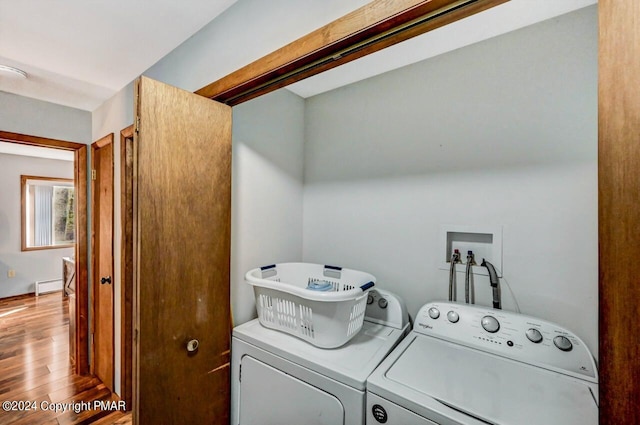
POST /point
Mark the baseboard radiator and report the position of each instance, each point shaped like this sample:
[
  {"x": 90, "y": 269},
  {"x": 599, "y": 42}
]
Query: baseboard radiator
[{"x": 51, "y": 285}]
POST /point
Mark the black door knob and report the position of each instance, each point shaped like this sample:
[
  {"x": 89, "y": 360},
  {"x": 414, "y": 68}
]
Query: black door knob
[{"x": 106, "y": 280}]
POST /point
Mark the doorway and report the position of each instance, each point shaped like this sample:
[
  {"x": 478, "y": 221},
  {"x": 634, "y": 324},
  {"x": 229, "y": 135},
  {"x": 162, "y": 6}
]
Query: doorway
[{"x": 81, "y": 254}]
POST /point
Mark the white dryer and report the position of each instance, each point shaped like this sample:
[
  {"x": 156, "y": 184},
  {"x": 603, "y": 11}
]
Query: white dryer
[
  {"x": 278, "y": 379},
  {"x": 475, "y": 365}
]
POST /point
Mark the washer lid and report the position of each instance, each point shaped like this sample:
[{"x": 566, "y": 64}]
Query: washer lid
[
  {"x": 491, "y": 388},
  {"x": 350, "y": 364}
]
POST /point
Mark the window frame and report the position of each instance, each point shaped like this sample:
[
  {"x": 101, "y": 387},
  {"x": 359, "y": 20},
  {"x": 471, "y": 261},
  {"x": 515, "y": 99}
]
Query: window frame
[{"x": 23, "y": 212}]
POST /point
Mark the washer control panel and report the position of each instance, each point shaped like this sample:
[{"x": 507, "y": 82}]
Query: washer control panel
[{"x": 516, "y": 336}]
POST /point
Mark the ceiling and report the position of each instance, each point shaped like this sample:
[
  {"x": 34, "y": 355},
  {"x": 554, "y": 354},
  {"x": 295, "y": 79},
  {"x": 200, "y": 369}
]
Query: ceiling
[{"x": 80, "y": 53}]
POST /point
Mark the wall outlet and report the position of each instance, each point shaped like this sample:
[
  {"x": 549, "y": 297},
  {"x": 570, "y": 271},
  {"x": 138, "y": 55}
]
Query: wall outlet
[{"x": 11, "y": 273}]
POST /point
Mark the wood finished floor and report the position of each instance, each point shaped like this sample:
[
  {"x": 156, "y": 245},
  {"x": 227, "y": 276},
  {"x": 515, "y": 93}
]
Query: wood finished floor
[{"x": 35, "y": 367}]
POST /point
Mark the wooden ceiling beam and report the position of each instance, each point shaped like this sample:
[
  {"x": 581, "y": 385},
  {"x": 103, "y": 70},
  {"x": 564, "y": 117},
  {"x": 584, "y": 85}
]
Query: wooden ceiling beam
[{"x": 371, "y": 28}]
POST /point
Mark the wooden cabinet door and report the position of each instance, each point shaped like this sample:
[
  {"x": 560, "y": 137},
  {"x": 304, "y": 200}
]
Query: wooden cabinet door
[{"x": 182, "y": 242}]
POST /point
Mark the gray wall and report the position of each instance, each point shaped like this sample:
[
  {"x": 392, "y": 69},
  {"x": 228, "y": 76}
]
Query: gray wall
[
  {"x": 503, "y": 132},
  {"x": 266, "y": 191},
  {"x": 33, "y": 117},
  {"x": 24, "y": 115},
  {"x": 246, "y": 31},
  {"x": 30, "y": 266}
]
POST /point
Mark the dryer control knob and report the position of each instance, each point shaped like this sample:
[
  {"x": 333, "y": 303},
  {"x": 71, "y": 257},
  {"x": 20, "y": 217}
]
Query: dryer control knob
[
  {"x": 434, "y": 313},
  {"x": 563, "y": 343},
  {"x": 534, "y": 335},
  {"x": 369, "y": 299},
  {"x": 490, "y": 324},
  {"x": 382, "y": 302},
  {"x": 453, "y": 317}
]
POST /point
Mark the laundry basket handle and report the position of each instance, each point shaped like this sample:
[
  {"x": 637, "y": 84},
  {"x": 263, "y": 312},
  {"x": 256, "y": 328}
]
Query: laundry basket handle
[
  {"x": 268, "y": 271},
  {"x": 366, "y": 286},
  {"x": 332, "y": 271}
]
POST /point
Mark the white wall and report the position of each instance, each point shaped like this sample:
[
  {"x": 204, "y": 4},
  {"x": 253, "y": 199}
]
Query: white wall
[
  {"x": 503, "y": 132},
  {"x": 29, "y": 266}
]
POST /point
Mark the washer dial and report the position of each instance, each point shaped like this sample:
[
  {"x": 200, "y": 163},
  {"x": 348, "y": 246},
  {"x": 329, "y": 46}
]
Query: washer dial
[
  {"x": 534, "y": 335},
  {"x": 563, "y": 343},
  {"x": 453, "y": 316},
  {"x": 434, "y": 313},
  {"x": 490, "y": 324}
]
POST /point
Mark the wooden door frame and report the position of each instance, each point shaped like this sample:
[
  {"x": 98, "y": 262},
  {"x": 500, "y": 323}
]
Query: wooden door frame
[
  {"x": 103, "y": 141},
  {"x": 81, "y": 249},
  {"x": 353, "y": 36},
  {"x": 126, "y": 268},
  {"x": 619, "y": 209}
]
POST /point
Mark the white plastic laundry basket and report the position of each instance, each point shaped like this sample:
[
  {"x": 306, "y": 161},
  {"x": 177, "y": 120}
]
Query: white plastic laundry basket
[{"x": 324, "y": 305}]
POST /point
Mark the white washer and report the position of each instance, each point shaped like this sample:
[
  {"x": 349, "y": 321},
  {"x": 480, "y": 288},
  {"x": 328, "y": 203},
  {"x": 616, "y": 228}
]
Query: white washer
[
  {"x": 278, "y": 379},
  {"x": 474, "y": 365}
]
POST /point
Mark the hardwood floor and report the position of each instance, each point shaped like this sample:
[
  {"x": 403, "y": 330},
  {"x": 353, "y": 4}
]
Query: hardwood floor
[{"x": 35, "y": 368}]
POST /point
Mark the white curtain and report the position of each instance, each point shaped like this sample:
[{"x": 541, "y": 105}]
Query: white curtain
[{"x": 43, "y": 215}]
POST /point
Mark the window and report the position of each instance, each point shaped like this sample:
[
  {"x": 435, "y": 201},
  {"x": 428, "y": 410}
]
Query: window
[{"x": 48, "y": 213}]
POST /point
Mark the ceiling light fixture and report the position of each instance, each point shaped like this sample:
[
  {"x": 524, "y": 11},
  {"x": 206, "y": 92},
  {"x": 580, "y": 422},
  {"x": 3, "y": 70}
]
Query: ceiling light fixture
[{"x": 13, "y": 71}]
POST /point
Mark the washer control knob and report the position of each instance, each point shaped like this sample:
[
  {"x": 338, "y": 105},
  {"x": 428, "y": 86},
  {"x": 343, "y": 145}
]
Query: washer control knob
[
  {"x": 563, "y": 343},
  {"x": 453, "y": 317},
  {"x": 434, "y": 313},
  {"x": 382, "y": 302},
  {"x": 369, "y": 299},
  {"x": 490, "y": 324},
  {"x": 534, "y": 335}
]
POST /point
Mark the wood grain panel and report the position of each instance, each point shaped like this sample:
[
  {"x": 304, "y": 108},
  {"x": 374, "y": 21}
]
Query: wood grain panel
[
  {"x": 82, "y": 262},
  {"x": 619, "y": 210},
  {"x": 102, "y": 259},
  {"x": 182, "y": 216},
  {"x": 366, "y": 30},
  {"x": 126, "y": 267}
]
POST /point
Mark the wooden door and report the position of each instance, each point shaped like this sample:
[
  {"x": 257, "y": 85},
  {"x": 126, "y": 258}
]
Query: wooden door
[
  {"x": 182, "y": 233},
  {"x": 102, "y": 253}
]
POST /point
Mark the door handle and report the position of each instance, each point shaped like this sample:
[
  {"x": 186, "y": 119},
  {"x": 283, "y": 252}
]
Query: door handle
[
  {"x": 106, "y": 280},
  {"x": 192, "y": 345}
]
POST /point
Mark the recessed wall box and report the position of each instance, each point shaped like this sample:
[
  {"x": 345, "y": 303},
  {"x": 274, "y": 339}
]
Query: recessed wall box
[{"x": 484, "y": 241}]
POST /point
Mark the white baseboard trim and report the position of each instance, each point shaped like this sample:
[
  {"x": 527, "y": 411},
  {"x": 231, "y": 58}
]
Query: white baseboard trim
[{"x": 44, "y": 286}]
